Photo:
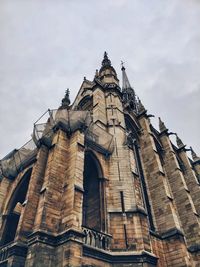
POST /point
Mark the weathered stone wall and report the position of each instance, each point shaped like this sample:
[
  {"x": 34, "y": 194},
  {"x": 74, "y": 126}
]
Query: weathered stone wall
[{"x": 50, "y": 225}]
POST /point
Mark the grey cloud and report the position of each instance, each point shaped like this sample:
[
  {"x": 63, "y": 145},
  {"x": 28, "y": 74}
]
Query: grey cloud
[{"x": 47, "y": 46}]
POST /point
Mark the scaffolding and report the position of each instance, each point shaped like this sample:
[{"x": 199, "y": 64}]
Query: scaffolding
[
  {"x": 17, "y": 160},
  {"x": 43, "y": 131}
]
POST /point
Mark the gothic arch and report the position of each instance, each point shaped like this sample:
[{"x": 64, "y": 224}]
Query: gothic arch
[
  {"x": 86, "y": 103},
  {"x": 131, "y": 125},
  {"x": 13, "y": 209},
  {"x": 94, "y": 193}
]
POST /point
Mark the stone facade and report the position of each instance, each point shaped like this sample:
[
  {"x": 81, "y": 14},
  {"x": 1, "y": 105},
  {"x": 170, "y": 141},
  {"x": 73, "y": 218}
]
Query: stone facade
[{"x": 98, "y": 185}]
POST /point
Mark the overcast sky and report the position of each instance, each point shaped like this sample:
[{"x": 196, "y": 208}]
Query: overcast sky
[{"x": 48, "y": 46}]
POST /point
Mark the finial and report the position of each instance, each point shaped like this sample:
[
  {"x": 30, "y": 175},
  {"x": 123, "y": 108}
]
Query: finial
[
  {"x": 96, "y": 74},
  {"x": 194, "y": 155},
  {"x": 179, "y": 142},
  {"x": 106, "y": 61},
  {"x": 122, "y": 65},
  {"x": 141, "y": 107},
  {"x": 162, "y": 126},
  {"x": 66, "y": 100}
]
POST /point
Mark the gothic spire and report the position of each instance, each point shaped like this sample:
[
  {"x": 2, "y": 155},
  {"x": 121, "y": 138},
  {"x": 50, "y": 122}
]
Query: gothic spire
[
  {"x": 127, "y": 90},
  {"x": 179, "y": 142},
  {"x": 107, "y": 73},
  {"x": 125, "y": 82},
  {"x": 194, "y": 155},
  {"x": 162, "y": 126}
]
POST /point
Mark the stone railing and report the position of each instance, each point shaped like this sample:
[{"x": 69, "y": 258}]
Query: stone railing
[
  {"x": 96, "y": 239},
  {"x": 4, "y": 253},
  {"x": 12, "y": 249}
]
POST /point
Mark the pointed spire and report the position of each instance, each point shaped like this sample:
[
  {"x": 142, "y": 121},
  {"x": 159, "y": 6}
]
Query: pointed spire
[
  {"x": 107, "y": 73},
  {"x": 127, "y": 90},
  {"x": 179, "y": 142},
  {"x": 106, "y": 61},
  {"x": 194, "y": 155},
  {"x": 162, "y": 126},
  {"x": 66, "y": 100},
  {"x": 125, "y": 81}
]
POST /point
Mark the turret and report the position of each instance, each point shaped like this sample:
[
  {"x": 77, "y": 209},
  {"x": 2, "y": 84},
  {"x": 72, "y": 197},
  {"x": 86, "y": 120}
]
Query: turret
[{"x": 107, "y": 73}]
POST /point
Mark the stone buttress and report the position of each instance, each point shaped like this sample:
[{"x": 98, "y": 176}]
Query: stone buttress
[{"x": 98, "y": 185}]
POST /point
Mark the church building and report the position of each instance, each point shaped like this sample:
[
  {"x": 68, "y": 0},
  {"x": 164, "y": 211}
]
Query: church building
[{"x": 98, "y": 186}]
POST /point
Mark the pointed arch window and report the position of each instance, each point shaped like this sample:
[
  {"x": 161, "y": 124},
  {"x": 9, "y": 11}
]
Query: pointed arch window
[
  {"x": 11, "y": 219},
  {"x": 94, "y": 195},
  {"x": 86, "y": 103}
]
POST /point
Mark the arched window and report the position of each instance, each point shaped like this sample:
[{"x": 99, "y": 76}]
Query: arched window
[
  {"x": 86, "y": 103},
  {"x": 93, "y": 199},
  {"x": 132, "y": 126},
  {"x": 12, "y": 217}
]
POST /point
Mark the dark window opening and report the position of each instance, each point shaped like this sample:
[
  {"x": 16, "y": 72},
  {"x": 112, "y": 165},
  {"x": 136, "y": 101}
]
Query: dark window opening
[
  {"x": 13, "y": 215},
  {"x": 181, "y": 164},
  {"x": 132, "y": 127},
  {"x": 93, "y": 199},
  {"x": 160, "y": 151},
  {"x": 86, "y": 103},
  {"x": 122, "y": 201}
]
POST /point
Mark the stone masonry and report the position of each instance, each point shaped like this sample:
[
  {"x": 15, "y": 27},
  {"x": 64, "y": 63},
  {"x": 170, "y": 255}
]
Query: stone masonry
[{"x": 98, "y": 185}]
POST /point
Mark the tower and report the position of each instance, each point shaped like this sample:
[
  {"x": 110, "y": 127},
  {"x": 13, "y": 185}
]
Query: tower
[{"x": 98, "y": 185}]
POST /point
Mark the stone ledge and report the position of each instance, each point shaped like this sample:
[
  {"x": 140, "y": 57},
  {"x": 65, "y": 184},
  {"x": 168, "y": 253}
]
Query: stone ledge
[
  {"x": 119, "y": 257},
  {"x": 55, "y": 240},
  {"x": 138, "y": 210},
  {"x": 194, "y": 248},
  {"x": 79, "y": 189},
  {"x": 196, "y": 162},
  {"x": 168, "y": 234},
  {"x": 13, "y": 249}
]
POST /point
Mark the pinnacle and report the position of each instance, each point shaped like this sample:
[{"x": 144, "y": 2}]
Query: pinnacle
[
  {"x": 106, "y": 61},
  {"x": 162, "y": 126},
  {"x": 194, "y": 155},
  {"x": 66, "y": 100},
  {"x": 179, "y": 142},
  {"x": 141, "y": 107}
]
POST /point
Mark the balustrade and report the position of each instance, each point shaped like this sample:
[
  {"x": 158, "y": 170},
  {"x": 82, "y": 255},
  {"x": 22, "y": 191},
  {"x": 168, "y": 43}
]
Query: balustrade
[{"x": 96, "y": 239}]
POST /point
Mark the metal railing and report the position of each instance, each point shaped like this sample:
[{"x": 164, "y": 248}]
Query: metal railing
[
  {"x": 15, "y": 161},
  {"x": 43, "y": 131}
]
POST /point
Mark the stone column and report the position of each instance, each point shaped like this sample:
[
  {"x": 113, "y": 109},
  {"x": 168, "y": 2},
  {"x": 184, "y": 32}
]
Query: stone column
[
  {"x": 29, "y": 210},
  {"x": 128, "y": 222},
  {"x": 181, "y": 195},
  {"x": 190, "y": 179},
  {"x": 155, "y": 177}
]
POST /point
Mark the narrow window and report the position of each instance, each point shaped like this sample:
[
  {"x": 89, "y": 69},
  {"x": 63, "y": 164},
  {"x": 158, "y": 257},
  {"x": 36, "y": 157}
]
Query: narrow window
[
  {"x": 12, "y": 218},
  {"x": 93, "y": 201},
  {"x": 122, "y": 201}
]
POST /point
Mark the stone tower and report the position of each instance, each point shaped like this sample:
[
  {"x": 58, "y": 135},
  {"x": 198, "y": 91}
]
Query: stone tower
[{"x": 98, "y": 185}]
